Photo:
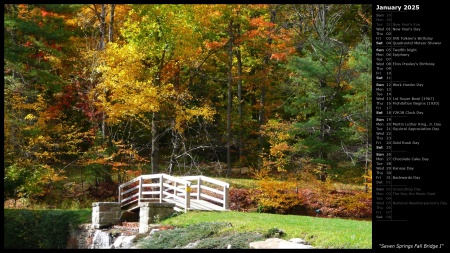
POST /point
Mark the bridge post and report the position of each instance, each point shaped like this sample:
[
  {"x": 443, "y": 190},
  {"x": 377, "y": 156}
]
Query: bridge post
[
  {"x": 120, "y": 194},
  {"x": 150, "y": 212},
  {"x": 187, "y": 191},
  {"x": 161, "y": 188},
  {"x": 140, "y": 190},
  {"x": 226, "y": 197},
  {"x": 105, "y": 214},
  {"x": 199, "y": 187},
  {"x": 176, "y": 187}
]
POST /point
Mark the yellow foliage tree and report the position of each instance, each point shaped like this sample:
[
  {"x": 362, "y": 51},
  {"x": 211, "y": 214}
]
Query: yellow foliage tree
[
  {"x": 125, "y": 90},
  {"x": 141, "y": 77},
  {"x": 280, "y": 149}
]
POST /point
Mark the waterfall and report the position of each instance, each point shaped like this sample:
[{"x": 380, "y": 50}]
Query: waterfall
[{"x": 101, "y": 240}]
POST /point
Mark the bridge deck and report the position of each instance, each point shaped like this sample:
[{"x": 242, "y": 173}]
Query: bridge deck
[
  {"x": 194, "y": 203},
  {"x": 197, "y": 205}
]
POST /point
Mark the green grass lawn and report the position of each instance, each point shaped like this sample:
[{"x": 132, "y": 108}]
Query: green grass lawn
[
  {"x": 239, "y": 182},
  {"x": 327, "y": 233}
]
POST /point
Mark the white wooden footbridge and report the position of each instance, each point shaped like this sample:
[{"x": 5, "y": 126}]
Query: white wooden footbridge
[{"x": 188, "y": 192}]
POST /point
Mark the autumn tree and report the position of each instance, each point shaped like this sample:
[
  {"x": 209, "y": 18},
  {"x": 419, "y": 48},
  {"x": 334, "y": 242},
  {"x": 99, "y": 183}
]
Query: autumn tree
[
  {"x": 37, "y": 51},
  {"x": 245, "y": 61},
  {"x": 116, "y": 89},
  {"x": 98, "y": 24},
  {"x": 265, "y": 44},
  {"x": 143, "y": 77}
]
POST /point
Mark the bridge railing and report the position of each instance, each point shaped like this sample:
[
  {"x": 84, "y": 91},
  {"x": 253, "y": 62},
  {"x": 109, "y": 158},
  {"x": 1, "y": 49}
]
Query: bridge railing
[
  {"x": 155, "y": 188},
  {"x": 209, "y": 189},
  {"x": 180, "y": 190}
]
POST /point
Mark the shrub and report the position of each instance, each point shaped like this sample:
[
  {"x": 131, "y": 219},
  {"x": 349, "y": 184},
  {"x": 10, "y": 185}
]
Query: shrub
[
  {"x": 181, "y": 237},
  {"x": 40, "y": 229},
  {"x": 241, "y": 200},
  {"x": 206, "y": 235},
  {"x": 330, "y": 202},
  {"x": 276, "y": 196},
  {"x": 348, "y": 204},
  {"x": 274, "y": 232},
  {"x": 232, "y": 241}
]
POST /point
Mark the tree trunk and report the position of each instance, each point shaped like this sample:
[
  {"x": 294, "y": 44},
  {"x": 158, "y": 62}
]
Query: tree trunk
[
  {"x": 102, "y": 27},
  {"x": 260, "y": 123},
  {"x": 107, "y": 178},
  {"x": 230, "y": 81},
  {"x": 155, "y": 144},
  {"x": 173, "y": 156},
  {"x": 367, "y": 157},
  {"x": 111, "y": 23},
  {"x": 239, "y": 69},
  {"x": 262, "y": 99},
  {"x": 101, "y": 46}
]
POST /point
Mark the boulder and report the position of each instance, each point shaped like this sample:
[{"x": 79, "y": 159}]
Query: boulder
[
  {"x": 124, "y": 242},
  {"x": 277, "y": 243}
]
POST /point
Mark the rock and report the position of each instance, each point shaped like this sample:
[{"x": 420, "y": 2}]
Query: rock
[
  {"x": 277, "y": 243},
  {"x": 154, "y": 231},
  {"x": 240, "y": 171},
  {"x": 245, "y": 170},
  {"x": 297, "y": 240},
  {"x": 191, "y": 245},
  {"x": 101, "y": 240},
  {"x": 124, "y": 242}
]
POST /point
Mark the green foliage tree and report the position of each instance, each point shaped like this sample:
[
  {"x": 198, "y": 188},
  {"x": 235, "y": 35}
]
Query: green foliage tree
[
  {"x": 358, "y": 109},
  {"x": 321, "y": 80}
]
